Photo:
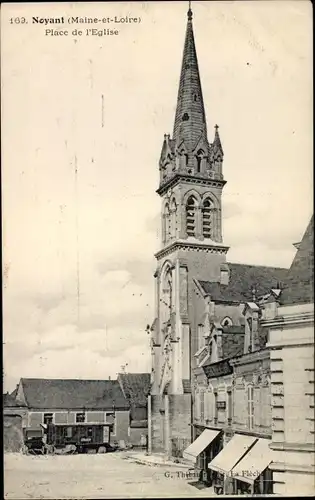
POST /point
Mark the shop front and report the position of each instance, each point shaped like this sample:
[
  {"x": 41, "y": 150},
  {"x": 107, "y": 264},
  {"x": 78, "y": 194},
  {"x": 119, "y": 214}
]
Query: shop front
[
  {"x": 223, "y": 463},
  {"x": 252, "y": 474},
  {"x": 201, "y": 451}
]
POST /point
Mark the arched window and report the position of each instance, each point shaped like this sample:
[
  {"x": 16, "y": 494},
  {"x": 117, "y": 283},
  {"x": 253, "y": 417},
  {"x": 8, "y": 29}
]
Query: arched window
[
  {"x": 207, "y": 208},
  {"x": 166, "y": 223},
  {"x": 183, "y": 158},
  {"x": 191, "y": 216},
  {"x": 199, "y": 158},
  {"x": 227, "y": 322},
  {"x": 173, "y": 214},
  {"x": 166, "y": 296}
]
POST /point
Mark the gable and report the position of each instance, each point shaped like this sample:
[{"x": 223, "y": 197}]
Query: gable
[
  {"x": 136, "y": 387},
  {"x": 299, "y": 285}
]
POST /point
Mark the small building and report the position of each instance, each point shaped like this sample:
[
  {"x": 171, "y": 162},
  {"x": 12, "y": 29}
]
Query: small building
[
  {"x": 136, "y": 387},
  {"x": 66, "y": 401},
  {"x": 289, "y": 319}
]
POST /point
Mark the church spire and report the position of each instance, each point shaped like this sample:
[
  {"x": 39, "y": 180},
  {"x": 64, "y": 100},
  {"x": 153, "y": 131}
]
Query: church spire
[{"x": 190, "y": 118}]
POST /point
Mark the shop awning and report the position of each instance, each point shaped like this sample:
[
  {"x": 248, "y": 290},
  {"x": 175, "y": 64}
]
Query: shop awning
[
  {"x": 254, "y": 462},
  {"x": 232, "y": 453},
  {"x": 200, "y": 444}
]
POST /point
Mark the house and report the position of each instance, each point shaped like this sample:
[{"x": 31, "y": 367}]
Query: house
[
  {"x": 66, "y": 401},
  {"x": 289, "y": 319},
  {"x": 136, "y": 387}
]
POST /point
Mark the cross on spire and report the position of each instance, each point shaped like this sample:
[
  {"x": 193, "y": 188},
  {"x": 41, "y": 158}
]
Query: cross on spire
[{"x": 189, "y": 13}]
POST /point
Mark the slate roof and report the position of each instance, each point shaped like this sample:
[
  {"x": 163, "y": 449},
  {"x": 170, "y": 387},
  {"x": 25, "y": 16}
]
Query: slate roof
[
  {"x": 73, "y": 394},
  {"x": 243, "y": 278},
  {"x": 136, "y": 387},
  {"x": 190, "y": 100},
  {"x": 299, "y": 285},
  {"x": 233, "y": 343}
]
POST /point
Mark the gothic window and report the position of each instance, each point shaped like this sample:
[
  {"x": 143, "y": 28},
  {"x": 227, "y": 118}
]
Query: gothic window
[
  {"x": 166, "y": 296},
  {"x": 191, "y": 216},
  {"x": 199, "y": 159},
  {"x": 207, "y": 208},
  {"x": 183, "y": 159},
  {"x": 166, "y": 223},
  {"x": 250, "y": 409},
  {"x": 227, "y": 322},
  {"x": 173, "y": 214}
]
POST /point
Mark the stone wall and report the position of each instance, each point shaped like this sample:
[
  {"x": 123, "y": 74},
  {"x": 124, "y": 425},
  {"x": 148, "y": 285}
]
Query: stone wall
[
  {"x": 157, "y": 424},
  {"x": 12, "y": 433},
  {"x": 136, "y": 435},
  {"x": 291, "y": 340}
]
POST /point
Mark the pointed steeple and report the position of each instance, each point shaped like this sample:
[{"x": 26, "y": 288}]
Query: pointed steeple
[{"x": 190, "y": 118}]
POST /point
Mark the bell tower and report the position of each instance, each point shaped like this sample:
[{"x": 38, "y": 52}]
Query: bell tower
[{"x": 191, "y": 183}]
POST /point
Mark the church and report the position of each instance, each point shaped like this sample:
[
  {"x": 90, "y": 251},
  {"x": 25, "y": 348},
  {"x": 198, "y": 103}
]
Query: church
[{"x": 196, "y": 286}]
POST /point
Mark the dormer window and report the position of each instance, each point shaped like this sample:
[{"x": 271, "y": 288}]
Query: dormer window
[
  {"x": 199, "y": 160},
  {"x": 227, "y": 322}
]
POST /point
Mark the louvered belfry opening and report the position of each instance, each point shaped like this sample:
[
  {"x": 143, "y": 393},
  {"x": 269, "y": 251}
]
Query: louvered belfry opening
[
  {"x": 206, "y": 219},
  {"x": 191, "y": 216}
]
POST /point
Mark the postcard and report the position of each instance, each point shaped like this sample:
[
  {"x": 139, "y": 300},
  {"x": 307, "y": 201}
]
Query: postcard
[{"x": 157, "y": 249}]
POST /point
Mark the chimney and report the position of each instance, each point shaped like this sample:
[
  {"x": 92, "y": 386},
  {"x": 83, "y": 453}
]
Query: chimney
[
  {"x": 224, "y": 274},
  {"x": 252, "y": 331}
]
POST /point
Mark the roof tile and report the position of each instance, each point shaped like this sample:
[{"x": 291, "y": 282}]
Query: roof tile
[
  {"x": 136, "y": 387},
  {"x": 73, "y": 394},
  {"x": 243, "y": 278},
  {"x": 299, "y": 285}
]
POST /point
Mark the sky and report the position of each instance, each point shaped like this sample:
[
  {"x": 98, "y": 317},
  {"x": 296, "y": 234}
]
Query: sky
[{"x": 83, "y": 120}]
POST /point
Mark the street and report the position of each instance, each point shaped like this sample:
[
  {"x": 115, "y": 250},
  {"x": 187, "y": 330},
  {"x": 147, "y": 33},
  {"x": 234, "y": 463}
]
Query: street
[{"x": 93, "y": 476}]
